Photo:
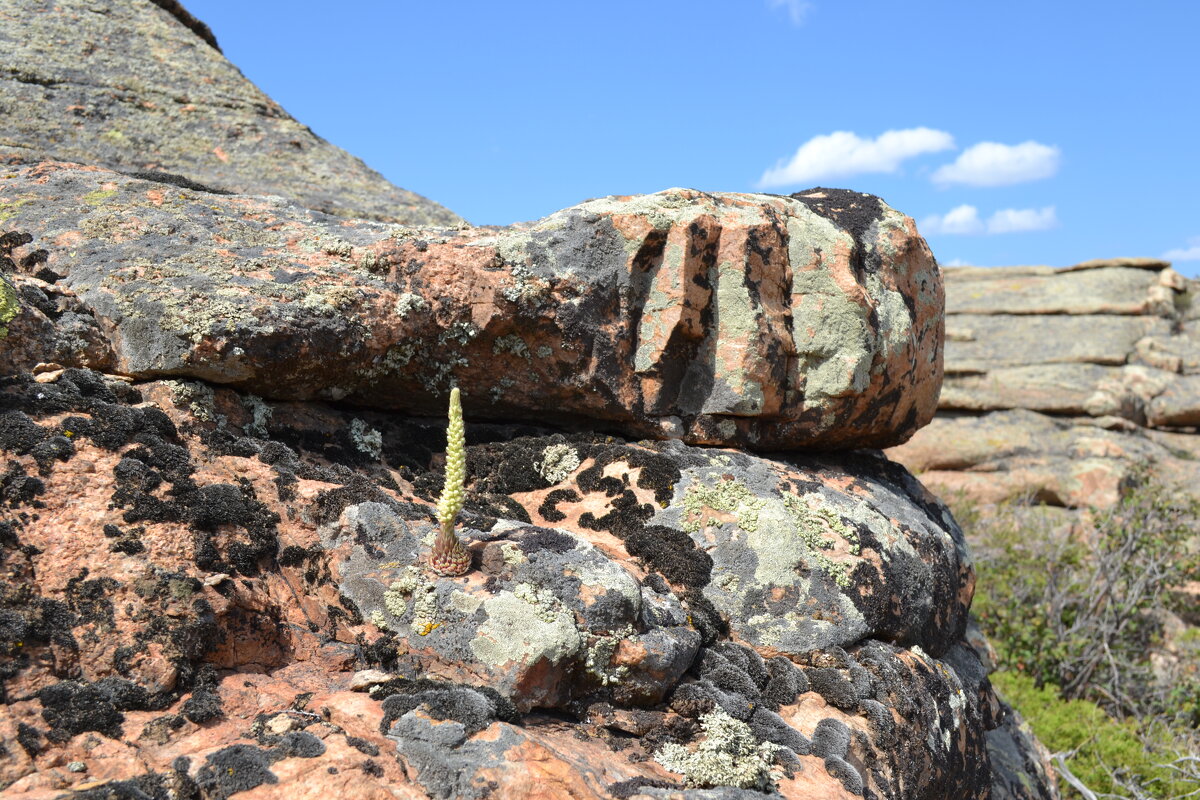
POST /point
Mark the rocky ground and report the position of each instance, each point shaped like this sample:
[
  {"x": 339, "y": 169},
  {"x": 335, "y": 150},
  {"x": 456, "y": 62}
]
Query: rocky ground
[{"x": 693, "y": 572}]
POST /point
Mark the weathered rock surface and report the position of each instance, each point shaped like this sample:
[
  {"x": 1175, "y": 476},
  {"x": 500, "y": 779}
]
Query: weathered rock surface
[
  {"x": 1060, "y": 382},
  {"x": 132, "y": 86},
  {"x": 206, "y": 592},
  {"x": 747, "y": 320}
]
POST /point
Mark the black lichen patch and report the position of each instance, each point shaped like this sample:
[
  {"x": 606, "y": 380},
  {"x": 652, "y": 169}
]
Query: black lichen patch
[
  {"x": 28, "y": 623},
  {"x": 171, "y": 179},
  {"x": 125, "y": 695},
  {"x": 546, "y": 539},
  {"x": 854, "y": 212},
  {"x": 473, "y": 706},
  {"x": 30, "y": 739},
  {"x": 143, "y": 472},
  {"x": 72, "y": 707},
  {"x": 56, "y": 448},
  {"x": 18, "y": 433},
  {"x": 362, "y": 745},
  {"x": 785, "y": 683},
  {"x": 298, "y": 744},
  {"x": 831, "y": 737},
  {"x": 205, "y": 702},
  {"x": 18, "y": 489},
  {"x": 549, "y": 507},
  {"x": 89, "y": 599},
  {"x": 628, "y": 788},
  {"x": 770, "y": 727},
  {"x": 354, "y": 490},
  {"x": 237, "y": 768},
  {"x": 150, "y": 786},
  {"x": 846, "y": 773}
]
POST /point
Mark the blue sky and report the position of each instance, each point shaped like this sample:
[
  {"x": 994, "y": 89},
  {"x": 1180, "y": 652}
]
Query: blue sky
[{"x": 1014, "y": 133}]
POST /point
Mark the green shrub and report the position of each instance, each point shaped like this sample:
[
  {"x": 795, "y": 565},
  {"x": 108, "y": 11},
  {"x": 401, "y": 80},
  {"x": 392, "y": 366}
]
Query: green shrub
[
  {"x": 1109, "y": 757},
  {"x": 1074, "y": 604},
  {"x": 1076, "y": 600}
]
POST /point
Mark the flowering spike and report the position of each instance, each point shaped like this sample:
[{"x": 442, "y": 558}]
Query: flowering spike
[{"x": 449, "y": 557}]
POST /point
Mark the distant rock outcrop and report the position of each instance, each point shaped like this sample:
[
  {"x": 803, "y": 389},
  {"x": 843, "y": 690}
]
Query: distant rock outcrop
[
  {"x": 1059, "y": 382},
  {"x": 136, "y": 86}
]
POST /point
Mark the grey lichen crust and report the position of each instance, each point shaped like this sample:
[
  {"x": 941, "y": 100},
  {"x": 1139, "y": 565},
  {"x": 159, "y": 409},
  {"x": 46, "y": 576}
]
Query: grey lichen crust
[{"x": 139, "y": 88}]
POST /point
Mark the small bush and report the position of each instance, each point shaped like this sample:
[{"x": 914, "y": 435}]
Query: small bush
[
  {"x": 1077, "y": 601},
  {"x": 1110, "y": 757},
  {"x": 1076, "y": 605}
]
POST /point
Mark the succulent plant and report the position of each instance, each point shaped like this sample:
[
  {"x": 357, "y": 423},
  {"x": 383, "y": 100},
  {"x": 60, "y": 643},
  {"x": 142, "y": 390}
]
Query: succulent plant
[{"x": 449, "y": 556}]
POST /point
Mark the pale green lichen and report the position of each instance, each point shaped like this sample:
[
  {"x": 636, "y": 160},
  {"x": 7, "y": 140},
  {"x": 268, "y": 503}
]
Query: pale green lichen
[
  {"x": 333, "y": 246},
  {"x": 461, "y": 332},
  {"x": 546, "y": 606},
  {"x": 199, "y": 399},
  {"x": 410, "y": 586},
  {"x": 409, "y": 302},
  {"x": 727, "y": 495},
  {"x": 99, "y": 196},
  {"x": 511, "y": 634},
  {"x": 600, "y": 651},
  {"x": 813, "y": 526},
  {"x": 512, "y": 344},
  {"x": 260, "y": 414},
  {"x": 367, "y": 440},
  {"x": 557, "y": 462},
  {"x": 497, "y": 391},
  {"x": 729, "y": 755},
  {"x": 9, "y": 307},
  {"x": 817, "y": 527}
]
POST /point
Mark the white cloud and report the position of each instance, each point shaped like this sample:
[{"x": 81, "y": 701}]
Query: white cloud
[
  {"x": 797, "y": 9},
  {"x": 995, "y": 164},
  {"x": 1013, "y": 220},
  {"x": 964, "y": 220},
  {"x": 1191, "y": 253},
  {"x": 955, "y": 262},
  {"x": 843, "y": 153},
  {"x": 961, "y": 220}
]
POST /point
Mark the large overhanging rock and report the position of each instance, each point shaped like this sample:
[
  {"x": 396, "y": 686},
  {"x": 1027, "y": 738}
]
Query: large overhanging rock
[
  {"x": 750, "y": 320},
  {"x": 133, "y": 86}
]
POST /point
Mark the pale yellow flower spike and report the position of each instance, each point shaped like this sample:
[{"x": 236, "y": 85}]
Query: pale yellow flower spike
[{"x": 449, "y": 557}]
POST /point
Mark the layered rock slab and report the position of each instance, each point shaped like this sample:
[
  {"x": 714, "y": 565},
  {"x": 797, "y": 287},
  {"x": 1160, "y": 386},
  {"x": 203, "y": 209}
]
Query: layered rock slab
[
  {"x": 132, "y": 86},
  {"x": 758, "y": 321},
  {"x": 231, "y": 548},
  {"x": 1061, "y": 382},
  {"x": 1102, "y": 338}
]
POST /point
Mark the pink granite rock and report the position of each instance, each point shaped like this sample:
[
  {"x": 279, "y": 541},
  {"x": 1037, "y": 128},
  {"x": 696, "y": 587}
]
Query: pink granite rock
[
  {"x": 810, "y": 321},
  {"x": 207, "y": 594}
]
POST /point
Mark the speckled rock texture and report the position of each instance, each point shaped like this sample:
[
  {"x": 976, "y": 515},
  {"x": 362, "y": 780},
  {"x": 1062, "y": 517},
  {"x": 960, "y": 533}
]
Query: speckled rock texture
[
  {"x": 750, "y": 320},
  {"x": 1060, "y": 382},
  {"x": 204, "y": 593},
  {"x": 139, "y": 86}
]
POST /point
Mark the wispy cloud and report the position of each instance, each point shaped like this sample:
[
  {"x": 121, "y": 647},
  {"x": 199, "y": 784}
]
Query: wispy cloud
[
  {"x": 843, "y": 153},
  {"x": 995, "y": 164},
  {"x": 964, "y": 220},
  {"x": 797, "y": 10},
  {"x": 1189, "y": 253},
  {"x": 1023, "y": 220}
]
